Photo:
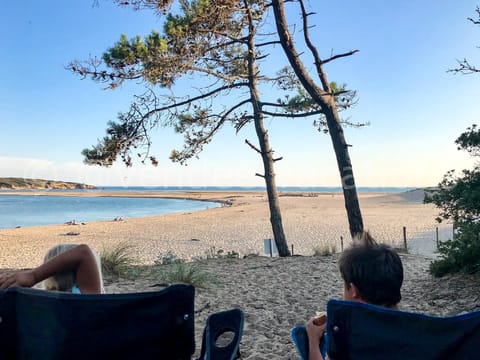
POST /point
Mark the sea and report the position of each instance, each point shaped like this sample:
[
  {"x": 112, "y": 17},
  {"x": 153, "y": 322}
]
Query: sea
[{"x": 35, "y": 210}]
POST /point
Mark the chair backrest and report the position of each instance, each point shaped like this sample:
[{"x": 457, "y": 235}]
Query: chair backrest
[
  {"x": 36, "y": 324},
  {"x": 227, "y": 324},
  {"x": 363, "y": 331}
]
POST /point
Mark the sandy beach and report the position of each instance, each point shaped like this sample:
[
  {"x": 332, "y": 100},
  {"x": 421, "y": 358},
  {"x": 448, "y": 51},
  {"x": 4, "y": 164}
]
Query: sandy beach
[
  {"x": 310, "y": 220},
  {"x": 275, "y": 293}
]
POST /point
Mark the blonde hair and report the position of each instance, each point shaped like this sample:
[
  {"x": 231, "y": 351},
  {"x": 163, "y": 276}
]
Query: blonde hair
[{"x": 64, "y": 281}]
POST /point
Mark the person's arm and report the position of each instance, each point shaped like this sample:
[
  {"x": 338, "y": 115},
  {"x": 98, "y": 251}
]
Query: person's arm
[
  {"x": 80, "y": 260},
  {"x": 314, "y": 333}
]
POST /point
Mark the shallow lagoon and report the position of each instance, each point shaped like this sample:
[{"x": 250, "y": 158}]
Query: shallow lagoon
[{"x": 34, "y": 210}]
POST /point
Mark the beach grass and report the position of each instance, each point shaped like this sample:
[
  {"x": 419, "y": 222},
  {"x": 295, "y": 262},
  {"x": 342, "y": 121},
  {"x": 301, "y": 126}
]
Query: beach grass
[
  {"x": 118, "y": 259},
  {"x": 185, "y": 273}
]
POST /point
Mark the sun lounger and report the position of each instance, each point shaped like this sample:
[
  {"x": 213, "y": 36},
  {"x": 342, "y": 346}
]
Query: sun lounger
[
  {"x": 37, "y": 324},
  {"x": 363, "y": 331}
]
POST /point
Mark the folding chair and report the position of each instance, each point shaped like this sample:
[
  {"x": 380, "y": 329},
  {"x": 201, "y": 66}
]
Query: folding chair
[
  {"x": 37, "y": 324},
  {"x": 228, "y": 324},
  {"x": 364, "y": 331}
]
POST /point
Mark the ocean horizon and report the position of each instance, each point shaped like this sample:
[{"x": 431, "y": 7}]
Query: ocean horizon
[
  {"x": 319, "y": 189},
  {"x": 34, "y": 210}
]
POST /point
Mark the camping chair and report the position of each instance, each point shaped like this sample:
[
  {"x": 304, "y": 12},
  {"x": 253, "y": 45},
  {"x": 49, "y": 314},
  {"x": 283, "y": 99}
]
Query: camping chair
[
  {"x": 37, "y": 324},
  {"x": 222, "y": 324},
  {"x": 363, "y": 331}
]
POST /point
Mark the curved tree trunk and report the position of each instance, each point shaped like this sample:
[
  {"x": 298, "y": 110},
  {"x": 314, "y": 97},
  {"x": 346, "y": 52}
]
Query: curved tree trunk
[
  {"x": 269, "y": 175},
  {"x": 323, "y": 96},
  {"x": 265, "y": 149}
]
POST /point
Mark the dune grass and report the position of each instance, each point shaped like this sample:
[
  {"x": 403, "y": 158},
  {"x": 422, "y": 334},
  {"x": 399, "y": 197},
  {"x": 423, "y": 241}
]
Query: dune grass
[
  {"x": 118, "y": 259},
  {"x": 185, "y": 273}
]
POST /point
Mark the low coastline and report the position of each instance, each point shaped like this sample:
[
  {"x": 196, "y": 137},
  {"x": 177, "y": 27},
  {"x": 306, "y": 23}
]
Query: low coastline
[
  {"x": 310, "y": 220},
  {"x": 274, "y": 293}
]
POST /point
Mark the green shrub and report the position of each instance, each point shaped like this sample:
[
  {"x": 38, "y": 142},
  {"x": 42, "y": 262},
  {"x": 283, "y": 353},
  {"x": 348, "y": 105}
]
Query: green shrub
[
  {"x": 118, "y": 259},
  {"x": 462, "y": 254},
  {"x": 182, "y": 272},
  {"x": 458, "y": 198}
]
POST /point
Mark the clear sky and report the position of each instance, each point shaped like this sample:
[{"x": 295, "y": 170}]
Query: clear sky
[{"x": 415, "y": 108}]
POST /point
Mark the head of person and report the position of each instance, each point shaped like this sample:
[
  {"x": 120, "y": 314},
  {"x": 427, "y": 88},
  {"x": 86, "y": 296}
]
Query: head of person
[
  {"x": 371, "y": 272},
  {"x": 64, "y": 281}
]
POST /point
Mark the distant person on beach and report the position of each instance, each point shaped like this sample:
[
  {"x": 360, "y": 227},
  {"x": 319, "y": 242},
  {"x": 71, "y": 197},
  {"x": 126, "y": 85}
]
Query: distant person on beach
[
  {"x": 372, "y": 273},
  {"x": 67, "y": 267}
]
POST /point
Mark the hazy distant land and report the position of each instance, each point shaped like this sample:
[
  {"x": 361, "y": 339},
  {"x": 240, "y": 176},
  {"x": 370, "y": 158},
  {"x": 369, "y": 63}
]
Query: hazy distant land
[{"x": 12, "y": 183}]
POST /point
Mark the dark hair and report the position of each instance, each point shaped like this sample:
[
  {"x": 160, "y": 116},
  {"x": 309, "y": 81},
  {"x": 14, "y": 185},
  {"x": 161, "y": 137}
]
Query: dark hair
[{"x": 376, "y": 270}]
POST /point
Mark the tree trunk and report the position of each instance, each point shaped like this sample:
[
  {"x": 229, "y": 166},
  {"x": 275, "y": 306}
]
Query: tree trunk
[
  {"x": 344, "y": 164},
  {"x": 265, "y": 149},
  {"x": 273, "y": 200},
  {"x": 323, "y": 96}
]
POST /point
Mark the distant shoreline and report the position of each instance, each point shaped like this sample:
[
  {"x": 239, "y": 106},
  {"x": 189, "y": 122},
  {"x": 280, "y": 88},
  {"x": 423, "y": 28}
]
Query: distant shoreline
[
  {"x": 13, "y": 183},
  {"x": 214, "y": 189}
]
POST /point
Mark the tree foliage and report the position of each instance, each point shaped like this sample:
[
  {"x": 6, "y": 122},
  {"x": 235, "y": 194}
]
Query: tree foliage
[
  {"x": 206, "y": 39},
  {"x": 458, "y": 198},
  {"x": 219, "y": 46}
]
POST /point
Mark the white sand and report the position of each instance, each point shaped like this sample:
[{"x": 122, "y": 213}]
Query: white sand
[{"x": 309, "y": 222}]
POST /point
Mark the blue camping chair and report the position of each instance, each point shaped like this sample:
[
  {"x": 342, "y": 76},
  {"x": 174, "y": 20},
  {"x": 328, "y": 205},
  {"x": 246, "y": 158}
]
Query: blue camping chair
[
  {"x": 37, "y": 324},
  {"x": 363, "y": 331}
]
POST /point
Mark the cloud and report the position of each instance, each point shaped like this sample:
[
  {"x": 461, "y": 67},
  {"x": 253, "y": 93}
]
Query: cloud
[{"x": 198, "y": 173}]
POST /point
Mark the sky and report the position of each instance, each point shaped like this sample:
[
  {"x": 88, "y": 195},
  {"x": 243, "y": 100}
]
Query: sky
[{"x": 414, "y": 107}]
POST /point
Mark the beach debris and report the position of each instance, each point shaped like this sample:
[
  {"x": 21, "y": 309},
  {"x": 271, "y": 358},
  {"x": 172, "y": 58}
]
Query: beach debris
[
  {"x": 72, "y": 233},
  {"x": 194, "y": 239},
  {"x": 205, "y": 307},
  {"x": 71, "y": 222}
]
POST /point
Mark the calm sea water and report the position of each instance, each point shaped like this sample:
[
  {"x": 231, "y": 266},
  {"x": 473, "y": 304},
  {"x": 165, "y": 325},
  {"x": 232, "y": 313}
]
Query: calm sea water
[
  {"x": 46, "y": 210},
  {"x": 33, "y": 210}
]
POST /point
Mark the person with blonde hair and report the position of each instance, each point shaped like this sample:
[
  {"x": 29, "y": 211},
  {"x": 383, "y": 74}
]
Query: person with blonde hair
[{"x": 67, "y": 267}]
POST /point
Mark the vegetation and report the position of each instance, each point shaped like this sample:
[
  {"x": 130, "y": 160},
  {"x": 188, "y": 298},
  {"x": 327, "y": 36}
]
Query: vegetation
[
  {"x": 181, "y": 272},
  {"x": 464, "y": 66},
  {"x": 168, "y": 259},
  {"x": 223, "y": 44},
  {"x": 22, "y": 183},
  {"x": 118, "y": 260},
  {"x": 458, "y": 198},
  {"x": 212, "y": 253},
  {"x": 323, "y": 94}
]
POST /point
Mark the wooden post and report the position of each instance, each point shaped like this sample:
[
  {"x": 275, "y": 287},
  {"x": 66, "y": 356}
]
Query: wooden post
[
  {"x": 341, "y": 242},
  {"x": 292, "y": 249},
  {"x": 405, "y": 237},
  {"x": 436, "y": 231},
  {"x": 271, "y": 248}
]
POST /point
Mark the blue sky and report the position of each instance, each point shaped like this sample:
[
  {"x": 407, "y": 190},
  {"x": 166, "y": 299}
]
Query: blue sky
[{"x": 415, "y": 108}]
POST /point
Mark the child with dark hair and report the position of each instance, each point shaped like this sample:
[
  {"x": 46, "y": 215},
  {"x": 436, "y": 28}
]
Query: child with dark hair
[{"x": 371, "y": 273}]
